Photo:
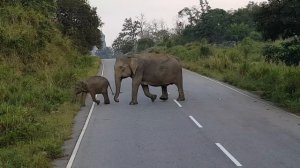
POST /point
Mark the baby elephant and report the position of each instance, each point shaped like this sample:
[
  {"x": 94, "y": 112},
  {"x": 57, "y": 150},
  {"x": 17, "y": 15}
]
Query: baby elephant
[{"x": 93, "y": 85}]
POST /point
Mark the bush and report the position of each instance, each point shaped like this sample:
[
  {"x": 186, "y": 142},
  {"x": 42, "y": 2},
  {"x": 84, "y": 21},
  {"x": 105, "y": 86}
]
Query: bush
[
  {"x": 144, "y": 43},
  {"x": 205, "y": 51},
  {"x": 288, "y": 52}
]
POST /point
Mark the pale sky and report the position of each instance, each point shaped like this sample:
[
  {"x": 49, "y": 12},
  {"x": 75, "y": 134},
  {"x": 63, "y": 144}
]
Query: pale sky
[{"x": 114, "y": 12}]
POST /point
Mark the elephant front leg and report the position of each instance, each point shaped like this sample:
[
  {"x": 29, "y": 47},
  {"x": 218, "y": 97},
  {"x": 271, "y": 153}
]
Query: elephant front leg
[
  {"x": 148, "y": 94},
  {"x": 135, "y": 87},
  {"x": 164, "y": 91}
]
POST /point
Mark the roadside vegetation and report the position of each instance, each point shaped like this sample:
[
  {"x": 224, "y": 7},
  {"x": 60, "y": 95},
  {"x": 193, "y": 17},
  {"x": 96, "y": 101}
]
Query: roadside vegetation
[
  {"x": 278, "y": 83},
  {"x": 255, "y": 48},
  {"x": 39, "y": 64}
]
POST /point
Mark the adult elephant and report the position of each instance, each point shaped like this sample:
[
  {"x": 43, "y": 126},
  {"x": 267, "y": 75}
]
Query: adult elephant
[{"x": 149, "y": 69}]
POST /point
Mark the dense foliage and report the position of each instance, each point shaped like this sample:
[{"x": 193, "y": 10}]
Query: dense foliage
[
  {"x": 288, "y": 52},
  {"x": 279, "y": 18},
  {"x": 38, "y": 68},
  {"x": 80, "y": 22}
]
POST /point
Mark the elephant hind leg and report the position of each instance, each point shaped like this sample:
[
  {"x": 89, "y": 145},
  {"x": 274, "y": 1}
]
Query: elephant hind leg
[
  {"x": 93, "y": 95},
  {"x": 148, "y": 94},
  {"x": 106, "y": 98},
  {"x": 180, "y": 91},
  {"x": 164, "y": 95}
]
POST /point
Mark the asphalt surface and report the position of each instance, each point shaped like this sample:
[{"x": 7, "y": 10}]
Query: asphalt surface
[{"x": 218, "y": 126}]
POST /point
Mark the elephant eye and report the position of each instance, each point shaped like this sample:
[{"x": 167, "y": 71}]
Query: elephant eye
[{"x": 123, "y": 68}]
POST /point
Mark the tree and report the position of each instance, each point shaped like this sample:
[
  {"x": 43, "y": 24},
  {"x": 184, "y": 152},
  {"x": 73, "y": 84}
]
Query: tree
[
  {"x": 237, "y": 32},
  {"x": 204, "y": 6},
  {"x": 131, "y": 29},
  {"x": 193, "y": 15},
  {"x": 80, "y": 22},
  {"x": 212, "y": 26},
  {"x": 157, "y": 31},
  {"x": 142, "y": 21},
  {"x": 245, "y": 15},
  {"x": 279, "y": 18},
  {"x": 126, "y": 40},
  {"x": 123, "y": 44}
]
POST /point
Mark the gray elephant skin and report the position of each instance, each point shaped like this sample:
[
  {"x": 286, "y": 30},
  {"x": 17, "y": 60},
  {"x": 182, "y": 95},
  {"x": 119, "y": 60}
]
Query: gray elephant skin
[
  {"x": 159, "y": 70},
  {"x": 93, "y": 85}
]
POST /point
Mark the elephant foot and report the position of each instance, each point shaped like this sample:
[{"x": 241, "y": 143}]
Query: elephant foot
[
  {"x": 180, "y": 99},
  {"x": 133, "y": 103},
  {"x": 107, "y": 102},
  {"x": 116, "y": 99},
  {"x": 153, "y": 98},
  {"x": 98, "y": 102},
  {"x": 163, "y": 97}
]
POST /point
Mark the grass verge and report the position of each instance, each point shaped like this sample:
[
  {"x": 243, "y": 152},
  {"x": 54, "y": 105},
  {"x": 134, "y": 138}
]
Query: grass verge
[{"x": 38, "y": 69}]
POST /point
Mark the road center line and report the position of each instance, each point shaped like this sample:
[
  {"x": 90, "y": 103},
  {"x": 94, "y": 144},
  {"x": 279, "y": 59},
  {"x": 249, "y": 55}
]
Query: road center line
[
  {"x": 237, "y": 163},
  {"x": 196, "y": 122},
  {"x": 72, "y": 158},
  {"x": 177, "y": 103}
]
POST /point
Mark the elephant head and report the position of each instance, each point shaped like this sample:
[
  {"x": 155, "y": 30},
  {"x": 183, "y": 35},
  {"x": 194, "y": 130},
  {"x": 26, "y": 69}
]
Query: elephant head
[
  {"x": 80, "y": 87},
  {"x": 124, "y": 67}
]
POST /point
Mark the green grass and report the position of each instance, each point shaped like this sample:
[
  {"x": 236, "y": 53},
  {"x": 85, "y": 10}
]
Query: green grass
[
  {"x": 38, "y": 70},
  {"x": 36, "y": 114},
  {"x": 243, "y": 66}
]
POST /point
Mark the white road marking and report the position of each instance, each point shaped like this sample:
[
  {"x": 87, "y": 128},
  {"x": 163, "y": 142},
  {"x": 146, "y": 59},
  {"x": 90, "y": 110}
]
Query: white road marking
[
  {"x": 72, "y": 158},
  {"x": 237, "y": 163},
  {"x": 226, "y": 86},
  {"x": 294, "y": 115},
  {"x": 177, "y": 103},
  {"x": 102, "y": 69},
  {"x": 196, "y": 122},
  {"x": 69, "y": 165}
]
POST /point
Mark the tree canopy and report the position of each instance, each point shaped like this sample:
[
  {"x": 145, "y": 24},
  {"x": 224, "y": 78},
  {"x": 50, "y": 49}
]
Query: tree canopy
[
  {"x": 278, "y": 18},
  {"x": 80, "y": 22}
]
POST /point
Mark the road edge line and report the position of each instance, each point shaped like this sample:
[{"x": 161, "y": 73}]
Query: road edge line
[
  {"x": 254, "y": 98},
  {"x": 75, "y": 150},
  {"x": 72, "y": 158}
]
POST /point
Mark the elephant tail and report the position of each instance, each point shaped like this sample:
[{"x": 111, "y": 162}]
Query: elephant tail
[{"x": 111, "y": 89}]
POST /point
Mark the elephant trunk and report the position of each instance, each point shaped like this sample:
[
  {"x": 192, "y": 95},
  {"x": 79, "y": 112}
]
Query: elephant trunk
[{"x": 118, "y": 86}]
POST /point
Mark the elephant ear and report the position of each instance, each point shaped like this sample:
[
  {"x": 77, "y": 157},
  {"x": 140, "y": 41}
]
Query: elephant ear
[{"x": 133, "y": 65}]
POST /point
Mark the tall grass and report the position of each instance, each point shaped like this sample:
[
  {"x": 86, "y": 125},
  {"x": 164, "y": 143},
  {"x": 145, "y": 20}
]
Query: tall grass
[
  {"x": 243, "y": 66},
  {"x": 38, "y": 69}
]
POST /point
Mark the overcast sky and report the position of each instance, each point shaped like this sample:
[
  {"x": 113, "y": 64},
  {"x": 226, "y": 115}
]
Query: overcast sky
[{"x": 113, "y": 12}]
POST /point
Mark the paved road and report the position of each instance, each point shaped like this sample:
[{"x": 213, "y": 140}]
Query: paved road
[{"x": 217, "y": 127}]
